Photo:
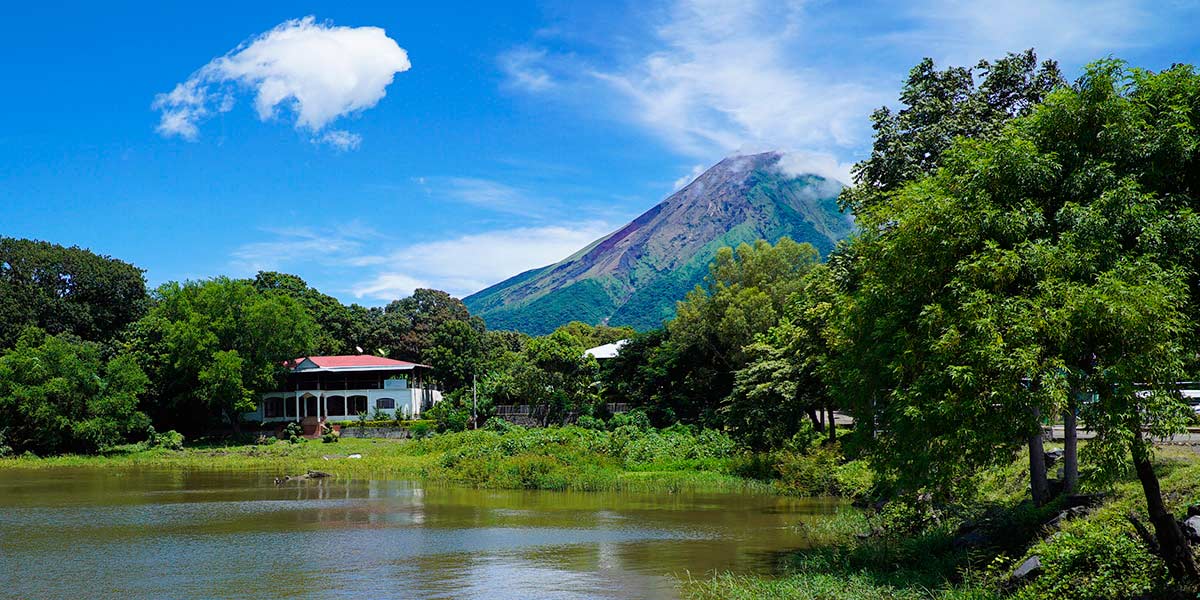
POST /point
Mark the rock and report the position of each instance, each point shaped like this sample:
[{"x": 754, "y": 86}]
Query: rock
[
  {"x": 1052, "y": 457},
  {"x": 308, "y": 475},
  {"x": 1030, "y": 569},
  {"x": 1070, "y": 513},
  {"x": 1191, "y": 529},
  {"x": 1088, "y": 500},
  {"x": 1193, "y": 510},
  {"x": 973, "y": 539}
]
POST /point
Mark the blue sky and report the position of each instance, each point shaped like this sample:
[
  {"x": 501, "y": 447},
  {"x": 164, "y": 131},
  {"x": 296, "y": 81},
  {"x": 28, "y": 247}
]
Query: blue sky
[{"x": 382, "y": 146}]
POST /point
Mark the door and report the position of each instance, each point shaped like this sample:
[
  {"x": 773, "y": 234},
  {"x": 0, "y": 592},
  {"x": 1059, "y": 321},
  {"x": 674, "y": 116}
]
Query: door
[{"x": 312, "y": 407}]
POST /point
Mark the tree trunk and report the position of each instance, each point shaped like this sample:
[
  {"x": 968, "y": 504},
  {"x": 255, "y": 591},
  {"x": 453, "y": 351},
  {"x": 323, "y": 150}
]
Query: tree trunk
[
  {"x": 816, "y": 421},
  {"x": 1037, "y": 463},
  {"x": 1173, "y": 547},
  {"x": 1070, "y": 446},
  {"x": 832, "y": 425}
]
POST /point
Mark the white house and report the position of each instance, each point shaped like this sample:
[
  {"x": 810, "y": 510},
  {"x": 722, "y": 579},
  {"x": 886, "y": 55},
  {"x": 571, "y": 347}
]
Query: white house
[
  {"x": 339, "y": 388},
  {"x": 607, "y": 350}
]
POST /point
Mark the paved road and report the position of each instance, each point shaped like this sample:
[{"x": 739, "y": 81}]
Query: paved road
[{"x": 1183, "y": 438}]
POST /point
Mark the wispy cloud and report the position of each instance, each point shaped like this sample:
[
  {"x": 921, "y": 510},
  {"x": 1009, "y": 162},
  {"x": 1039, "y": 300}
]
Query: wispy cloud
[
  {"x": 381, "y": 270},
  {"x": 962, "y": 32},
  {"x": 485, "y": 193},
  {"x": 711, "y": 78},
  {"x": 522, "y": 67},
  {"x": 466, "y": 264},
  {"x": 319, "y": 71}
]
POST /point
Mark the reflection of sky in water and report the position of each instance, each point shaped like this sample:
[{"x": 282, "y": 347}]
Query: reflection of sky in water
[{"x": 232, "y": 536}]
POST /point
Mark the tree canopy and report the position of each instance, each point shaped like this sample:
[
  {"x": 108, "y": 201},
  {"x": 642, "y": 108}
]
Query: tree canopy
[{"x": 66, "y": 290}]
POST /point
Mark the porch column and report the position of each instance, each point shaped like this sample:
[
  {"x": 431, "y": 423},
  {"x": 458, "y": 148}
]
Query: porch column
[
  {"x": 296, "y": 398},
  {"x": 324, "y": 408}
]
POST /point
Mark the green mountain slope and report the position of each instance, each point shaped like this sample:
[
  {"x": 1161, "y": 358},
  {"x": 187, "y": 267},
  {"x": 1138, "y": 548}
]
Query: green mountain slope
[{"x": 635, "y": 275}]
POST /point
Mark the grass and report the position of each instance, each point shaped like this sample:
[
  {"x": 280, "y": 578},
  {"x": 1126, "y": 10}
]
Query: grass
[
  {"x": 568, "y": 458},
  {"x": 1096, "y": 556}
]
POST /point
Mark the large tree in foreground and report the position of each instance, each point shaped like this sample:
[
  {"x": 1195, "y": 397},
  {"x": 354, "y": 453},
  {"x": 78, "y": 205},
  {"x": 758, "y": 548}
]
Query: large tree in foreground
[{"x": 1054, "y": 258}]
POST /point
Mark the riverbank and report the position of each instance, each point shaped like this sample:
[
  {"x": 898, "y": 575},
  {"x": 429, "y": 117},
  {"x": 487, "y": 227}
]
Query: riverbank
[
  {"x": 567, "y": 458},
  {"x": 970, "y": 551}
]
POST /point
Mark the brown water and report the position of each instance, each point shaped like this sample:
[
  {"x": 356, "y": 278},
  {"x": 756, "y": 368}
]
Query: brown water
[{"x": 91, "y": 533}]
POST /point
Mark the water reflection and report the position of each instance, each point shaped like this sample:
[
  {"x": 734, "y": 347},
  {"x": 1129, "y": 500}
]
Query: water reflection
[{"x": 201, "y": 534}]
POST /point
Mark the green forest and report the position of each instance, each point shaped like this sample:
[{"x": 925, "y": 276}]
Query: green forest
[{"x": 1027, "y": 252}]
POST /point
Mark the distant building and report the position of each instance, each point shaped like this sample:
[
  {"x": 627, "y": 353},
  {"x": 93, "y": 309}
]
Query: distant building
[
  {"x": 607, "y": 350},
  {"x": 339, "y": 388}
]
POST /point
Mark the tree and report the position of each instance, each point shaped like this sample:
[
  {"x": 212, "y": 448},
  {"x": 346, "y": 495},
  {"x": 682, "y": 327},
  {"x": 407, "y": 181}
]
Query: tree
[
  {"x": 786, "y": 375},
  {"x": 342, "y": 328},
  {"x": 596, "y": 335},
  {"x": 940, "y": 106},
  {"x": 58, "y": 395},
  {"x": 213, "y": 346},
  {"x": 552, "y": 374},
  {"x": 405, "y": 328},
  {"x": 1056, "y": 257},
  {"x": 457, "y": 353},
  {"x": 747, "y": 290},
  {"x": 66, "y": 290}
]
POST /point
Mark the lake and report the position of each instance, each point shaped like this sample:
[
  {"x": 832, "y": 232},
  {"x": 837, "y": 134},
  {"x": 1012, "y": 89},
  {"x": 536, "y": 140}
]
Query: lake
[{"x": 70, "y": 533}]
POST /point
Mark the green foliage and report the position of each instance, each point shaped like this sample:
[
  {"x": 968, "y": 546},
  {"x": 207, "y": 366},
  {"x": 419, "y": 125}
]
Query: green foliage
[
  {"x": 590, "y": 422},
  {"x": 420, "y": 429},
  {"x": 330, "y": 437},
  {"x": 57, "y": 394},
  {"x": 449, "y": 417},
  {"x": 551, "y": 373},
  {"x": 635, "y": 418},
  {"x": 405, "y": 328},
  {"x": 1095, "y": 560},
  {"x": 66, "y": 291},
  {"x": 341, "y": 328},
  {"x": 293, "y": 433},
  {"x": 457, "y": 352},
  {"x": 212, "y": 346},
  {"x": 170, "y": 440},
  {"x": 940, "y": 106},
  {"x": 573, "y": 457}
]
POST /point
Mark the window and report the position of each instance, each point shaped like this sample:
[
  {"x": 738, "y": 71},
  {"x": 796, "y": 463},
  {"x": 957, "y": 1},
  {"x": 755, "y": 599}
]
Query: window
[
  {"x": 356, "y": 405},
  {"x": 335, "y": 406},
  {"x": 289, "y": 407},
  {"x": 385, "y": 403},
  {"x": 272, "y": 408}
]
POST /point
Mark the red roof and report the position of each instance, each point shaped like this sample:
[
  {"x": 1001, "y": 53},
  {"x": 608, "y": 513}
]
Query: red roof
[{"x": 354, "y": 360}]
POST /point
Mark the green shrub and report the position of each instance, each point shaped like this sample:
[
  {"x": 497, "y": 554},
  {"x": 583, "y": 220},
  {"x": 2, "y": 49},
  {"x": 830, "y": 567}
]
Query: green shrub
[
  {"x": 449, "y": 417},
  {"x": 808, "y": 474},
  {"x": 330, "y": 437},
  {"x": 419, "y": 429},
  {"x": 1094, "y": 559},
  {"x": 170, "y": 440},
  {"x": 635, "y": 418},
  {"x": 590, "y": 422},
  {"x": 293, "y": 433},
  {"x": 854, "y": 479},
  {"x": 498, "y": 424}
]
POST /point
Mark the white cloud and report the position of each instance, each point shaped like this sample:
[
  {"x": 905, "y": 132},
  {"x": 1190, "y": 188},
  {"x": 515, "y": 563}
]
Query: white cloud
[
  {"x": 485, "y": 193},
  {"x": 341, "y": 139},
  {"x": 696, "y": 171},
  {"x": 799, "y": 162},
  {"x": 962, "y": 32},
  {"x": 319, "y": 71},
  {"x": 712, "y": 78},
  {"x": 522, "y": 66},
  {"x": 382, "y": 270},
  {"x": 469, "y": 263}
]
